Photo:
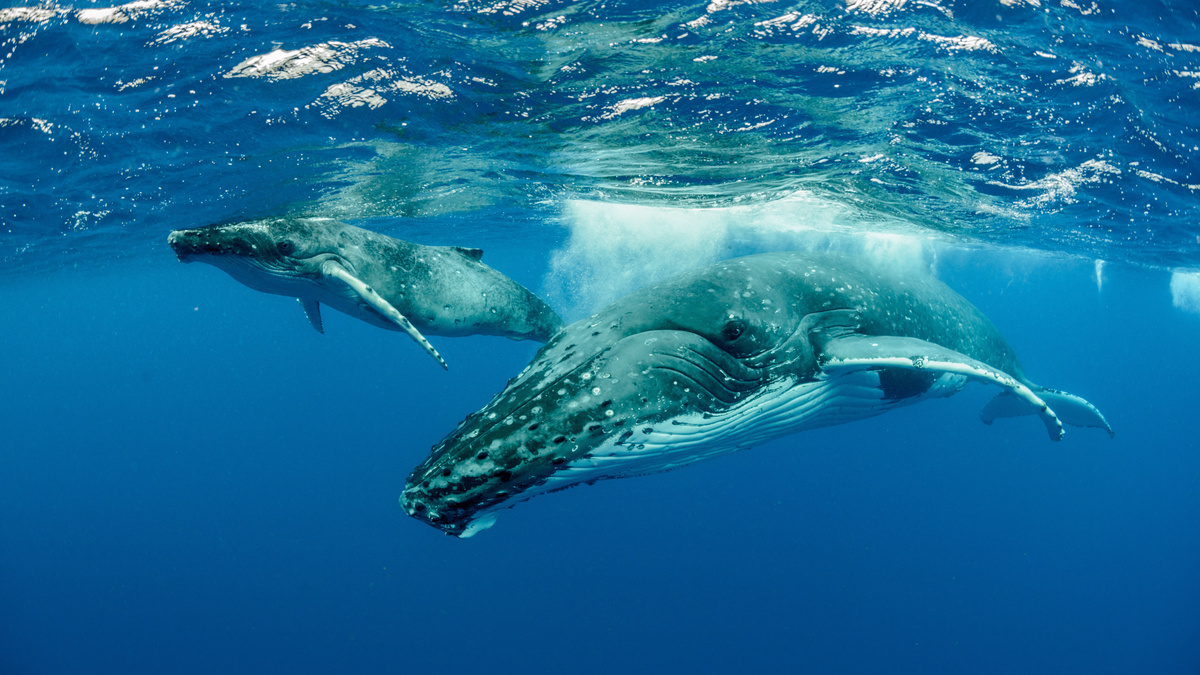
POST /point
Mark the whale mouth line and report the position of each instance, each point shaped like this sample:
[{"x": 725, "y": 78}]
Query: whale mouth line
[
  {"x": 193, "y": 248},
  {"x": 260, "y": 256}
]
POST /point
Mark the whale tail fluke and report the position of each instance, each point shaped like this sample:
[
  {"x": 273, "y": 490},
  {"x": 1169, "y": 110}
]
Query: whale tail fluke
[{"x": 1071, "y": 409}]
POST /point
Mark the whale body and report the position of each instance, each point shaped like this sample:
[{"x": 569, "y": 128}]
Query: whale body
[
  {"x": 715, "y": 360},
  {"x": 387, "y": 282}
]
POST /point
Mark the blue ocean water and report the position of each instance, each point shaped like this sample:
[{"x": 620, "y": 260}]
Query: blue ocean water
[{"x": 193, "y": 480}]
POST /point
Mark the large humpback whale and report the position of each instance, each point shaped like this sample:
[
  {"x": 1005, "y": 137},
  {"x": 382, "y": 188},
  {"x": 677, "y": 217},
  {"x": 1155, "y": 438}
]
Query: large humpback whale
[
  {"x": 387, "y": 282},
  {"x": 715, "y": 360}
]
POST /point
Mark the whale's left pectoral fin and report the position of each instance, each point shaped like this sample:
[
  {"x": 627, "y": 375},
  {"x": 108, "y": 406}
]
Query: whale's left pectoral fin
[
  {"x": 840, "y": 348},
  {"x": 312, "y": 309},
  {"x": 379, "y": 304}
]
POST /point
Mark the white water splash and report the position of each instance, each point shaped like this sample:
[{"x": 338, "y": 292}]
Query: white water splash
[
  {"x": 613, "y": 249},
  {"x": 1185, "y": 290}
]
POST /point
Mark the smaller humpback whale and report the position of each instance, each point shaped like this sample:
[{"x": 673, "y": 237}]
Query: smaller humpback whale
[
  {"x": 387, "y": 282},
  {"x": 716, "y": 360}
]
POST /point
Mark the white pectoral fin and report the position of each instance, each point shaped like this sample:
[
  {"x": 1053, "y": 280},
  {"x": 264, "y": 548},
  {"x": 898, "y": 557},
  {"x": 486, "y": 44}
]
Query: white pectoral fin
[
  {"x": 855, "y": 351},
  {"x": 1072, "y": 409},
  {"x": 368, "y": 294},
  {"x": 312, "y": 309}
]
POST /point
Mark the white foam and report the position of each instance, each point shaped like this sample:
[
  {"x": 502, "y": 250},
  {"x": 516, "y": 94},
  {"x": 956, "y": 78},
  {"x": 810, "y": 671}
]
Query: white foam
[
  {"x": 1060, "y": 188},
  {"x": 282, "y": 64},
  {"x": 184, "y": 31},
  {"x": 510, "y": 7},
  {"x": 1085, "y": 11},
  {"x": 985, "y": 158},
  {"x": 123, "y": 13},
  {"x": 875, "y": 7},
  {"x": 30, "y": 14},
  {"x": 1185, "y": 290},
  {"x": 1146, "y": 42},
  {"x": 790, "y": 21},
  {"x": 622, "y": 107},
  {"x": 346, "y": 95},
  {"x": 882, "y": 32},
  {"x": 613, "y": 248},
  {"x": 1081, "y": 77},
  {"x": 956, "y": 43},
  {"x": 374, "y": 85}
]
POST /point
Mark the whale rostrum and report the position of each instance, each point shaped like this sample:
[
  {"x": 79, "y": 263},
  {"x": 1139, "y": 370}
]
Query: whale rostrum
[
  {"x": 387, "y": 282},
  {"x": 715, "y": 360}
]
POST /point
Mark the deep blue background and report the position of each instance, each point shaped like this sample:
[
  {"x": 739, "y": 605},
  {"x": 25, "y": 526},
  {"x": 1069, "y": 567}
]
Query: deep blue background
[{"x": 193, "y": 481}]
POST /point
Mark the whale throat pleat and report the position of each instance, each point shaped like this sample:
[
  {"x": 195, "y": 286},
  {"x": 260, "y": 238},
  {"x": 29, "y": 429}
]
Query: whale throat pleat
[{"x": 780, "y": 409}]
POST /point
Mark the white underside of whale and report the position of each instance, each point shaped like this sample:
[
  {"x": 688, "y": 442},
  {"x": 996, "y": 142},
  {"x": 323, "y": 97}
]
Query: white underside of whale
[{"x": 780, "y": 409}]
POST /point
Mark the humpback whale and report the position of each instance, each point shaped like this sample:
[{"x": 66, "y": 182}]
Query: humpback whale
[
  {"x": 715, "y": 360},
  {"x": 387, "y": 282}
]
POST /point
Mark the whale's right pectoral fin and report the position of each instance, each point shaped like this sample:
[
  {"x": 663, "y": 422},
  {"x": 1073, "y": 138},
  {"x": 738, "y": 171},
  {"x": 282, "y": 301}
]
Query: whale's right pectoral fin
[
  {"x": 312, "y": 309},
  {"x": 379, "y": 304},
  {"x": 1072, "y": 409},
  {"x": 840, "y": 347}
]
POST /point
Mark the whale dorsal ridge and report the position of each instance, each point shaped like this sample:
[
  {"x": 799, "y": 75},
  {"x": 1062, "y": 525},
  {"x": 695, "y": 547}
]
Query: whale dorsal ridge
[{"x": 472, "y": 253}]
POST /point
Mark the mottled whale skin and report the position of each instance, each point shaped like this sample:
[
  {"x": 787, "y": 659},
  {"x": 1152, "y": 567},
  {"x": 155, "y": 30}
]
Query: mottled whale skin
[
  {"x": 387, "y": 282},
  {"x": 716, "y": 360}
]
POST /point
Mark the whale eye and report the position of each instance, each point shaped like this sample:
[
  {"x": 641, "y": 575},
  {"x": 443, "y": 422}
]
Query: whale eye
[
  {"x": 733, "y": 330},
  {"x": 285, "y": 246}
]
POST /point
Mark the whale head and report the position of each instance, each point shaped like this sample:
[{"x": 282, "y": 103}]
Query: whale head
[
  {"x": 667, "y": 376},
  {"x": 272, "y": 255}
]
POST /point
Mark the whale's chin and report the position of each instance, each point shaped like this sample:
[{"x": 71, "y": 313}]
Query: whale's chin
[
  {"x": 578, "y": 406},
  {"x": 478, "y": 525}
]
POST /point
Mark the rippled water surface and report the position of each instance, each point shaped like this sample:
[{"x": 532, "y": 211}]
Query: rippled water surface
[{"x": 1061, "y": 126}]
